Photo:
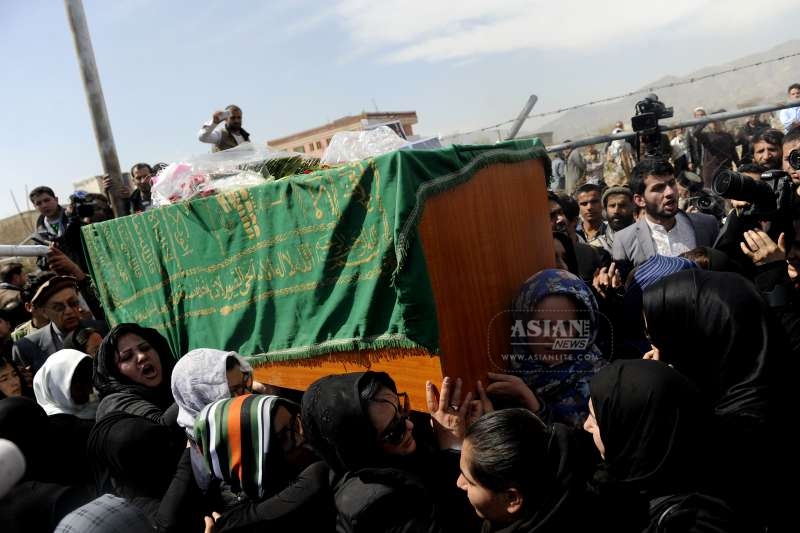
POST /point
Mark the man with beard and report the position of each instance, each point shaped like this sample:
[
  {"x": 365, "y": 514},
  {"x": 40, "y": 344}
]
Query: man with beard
[
  {"x": 768, "y": 149},
  {"x": 618, "y": 206},
  {"x": 141, "y": 198},
  {"x": 663, "y": 228},
  {"x": 229, "y": 135},
  {"x": 752, "y": 128}
]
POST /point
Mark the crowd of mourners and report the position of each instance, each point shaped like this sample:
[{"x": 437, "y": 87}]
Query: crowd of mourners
[{"x": 670, "y": 417}]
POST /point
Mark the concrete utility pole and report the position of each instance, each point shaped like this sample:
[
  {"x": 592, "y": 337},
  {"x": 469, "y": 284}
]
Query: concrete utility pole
[
  {"x": 523, "y": 116},
  {"x": 97, "y": 103}
]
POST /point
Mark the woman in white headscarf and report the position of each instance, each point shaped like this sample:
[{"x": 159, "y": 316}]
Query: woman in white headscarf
[
  {"x": 204, "y": 376},
  {"x": 64, "y": 385}
]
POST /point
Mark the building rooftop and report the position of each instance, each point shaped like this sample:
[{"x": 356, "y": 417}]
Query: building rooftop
[{"x": 339, "y": 123}]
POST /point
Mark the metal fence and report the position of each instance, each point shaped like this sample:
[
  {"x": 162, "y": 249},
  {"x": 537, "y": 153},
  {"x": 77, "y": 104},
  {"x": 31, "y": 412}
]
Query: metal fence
[{"x": 717, "y": 117}]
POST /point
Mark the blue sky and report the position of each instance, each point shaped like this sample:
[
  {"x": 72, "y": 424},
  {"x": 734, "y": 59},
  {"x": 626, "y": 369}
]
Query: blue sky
[{"x": 166, "y": 66}]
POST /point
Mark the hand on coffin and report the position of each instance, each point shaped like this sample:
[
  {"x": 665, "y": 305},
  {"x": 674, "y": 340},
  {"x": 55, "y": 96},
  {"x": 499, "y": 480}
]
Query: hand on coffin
[
  {"x": 263, "y": 388},
  {"x": 479, "y": 407},
  {"x": 513, "y": 387},
  {"x": 448, "y": 413},
  {"x": 211, "y": 521}
]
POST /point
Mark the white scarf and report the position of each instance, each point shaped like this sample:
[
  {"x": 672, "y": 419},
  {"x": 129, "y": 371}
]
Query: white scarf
[{"x": 52, "y": 382}]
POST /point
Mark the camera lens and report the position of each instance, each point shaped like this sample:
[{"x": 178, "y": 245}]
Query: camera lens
[
  {"x": 705, "y": 202},
  {"x": 727, "y": 183},
  {"x": 794, "y": 159}
]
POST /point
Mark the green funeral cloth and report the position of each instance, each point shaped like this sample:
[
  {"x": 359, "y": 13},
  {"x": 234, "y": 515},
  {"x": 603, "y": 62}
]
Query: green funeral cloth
[{"x": 307, "y": 265}]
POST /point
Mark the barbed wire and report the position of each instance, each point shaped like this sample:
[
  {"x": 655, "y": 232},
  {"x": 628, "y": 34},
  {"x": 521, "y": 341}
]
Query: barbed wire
[{"x": 670, "y": 85}]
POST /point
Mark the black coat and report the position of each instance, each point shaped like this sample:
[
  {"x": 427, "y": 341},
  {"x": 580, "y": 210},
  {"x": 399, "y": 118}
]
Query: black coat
[{"x": 384, "y": 500}]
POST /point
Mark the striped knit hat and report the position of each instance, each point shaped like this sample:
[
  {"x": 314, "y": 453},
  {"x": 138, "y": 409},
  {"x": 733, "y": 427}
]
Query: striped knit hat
[
  {"x": 657, "y": 267},
  {"x": 646, "y": 274},
  {"x": 234, "y": 435}
]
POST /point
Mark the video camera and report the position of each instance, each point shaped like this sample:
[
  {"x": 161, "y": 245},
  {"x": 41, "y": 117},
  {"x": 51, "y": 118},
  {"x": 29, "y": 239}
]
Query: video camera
[
  {"x": 645, "y": 124},
  {"x": 707, "y": 203},
  {"x": 82, "y": 206},
  {"x": 770, "y": 197}
]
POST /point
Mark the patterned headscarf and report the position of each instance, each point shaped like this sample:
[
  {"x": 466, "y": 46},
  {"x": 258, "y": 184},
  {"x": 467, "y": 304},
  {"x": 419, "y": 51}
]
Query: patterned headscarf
[
  {"x": 235, "y": 437},
  {"x": 563, "y": 387},
  {"x": 554, "y": 281}
]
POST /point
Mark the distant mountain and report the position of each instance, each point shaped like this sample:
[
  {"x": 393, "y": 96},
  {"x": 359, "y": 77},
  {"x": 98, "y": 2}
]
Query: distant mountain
[{"x": 756, "y": 85}]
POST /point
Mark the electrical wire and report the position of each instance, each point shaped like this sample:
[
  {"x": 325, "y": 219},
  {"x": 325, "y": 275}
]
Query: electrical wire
[{"x": 688, "y": 81}]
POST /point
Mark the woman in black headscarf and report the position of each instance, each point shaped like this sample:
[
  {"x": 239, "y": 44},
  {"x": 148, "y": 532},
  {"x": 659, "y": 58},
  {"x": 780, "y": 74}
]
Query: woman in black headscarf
[
  {"x": 133, "y": 374},
  {"x": 360, "y": 426},
  {"x": 714, "y": 328},
  {"x": 524, "y": 476},
  {"x": 44, "y": 495},
  {"x": 651, "y": 426},
  {"x": 141, "y": 488}
]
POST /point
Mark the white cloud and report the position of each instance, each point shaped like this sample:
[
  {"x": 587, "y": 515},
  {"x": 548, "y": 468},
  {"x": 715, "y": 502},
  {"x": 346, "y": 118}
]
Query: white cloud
[{"x": 436, "y": 30}]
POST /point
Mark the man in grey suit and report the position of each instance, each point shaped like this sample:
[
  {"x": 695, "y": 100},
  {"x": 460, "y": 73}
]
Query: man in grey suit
[
  {"x": 662, "y": 228},
  {"x": 58, "y": 297}
]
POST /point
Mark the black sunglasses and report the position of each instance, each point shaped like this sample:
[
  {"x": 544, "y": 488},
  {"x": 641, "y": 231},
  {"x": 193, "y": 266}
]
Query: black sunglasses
[
  {"x": 246, "y": 387},
  {"x": 396, "y": 430},
  {"x": 289, "y": 436}
]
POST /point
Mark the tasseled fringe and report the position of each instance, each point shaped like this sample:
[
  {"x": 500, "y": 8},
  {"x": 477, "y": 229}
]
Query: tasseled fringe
[{"x": 365, "y": 357}]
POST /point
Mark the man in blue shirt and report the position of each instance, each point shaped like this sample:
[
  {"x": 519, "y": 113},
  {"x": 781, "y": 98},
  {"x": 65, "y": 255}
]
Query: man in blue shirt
[{"x": 791, "y": 116}]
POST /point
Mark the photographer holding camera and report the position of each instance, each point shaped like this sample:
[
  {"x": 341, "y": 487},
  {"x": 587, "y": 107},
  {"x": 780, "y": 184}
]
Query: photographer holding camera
[
  {"x": 791, "y": 154},
  {"x": 765, "y": 202},
  {"x": 55, "y": 226},
  {"x": 61, "y": 227},
  {"x": 229, "y": 135}
]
